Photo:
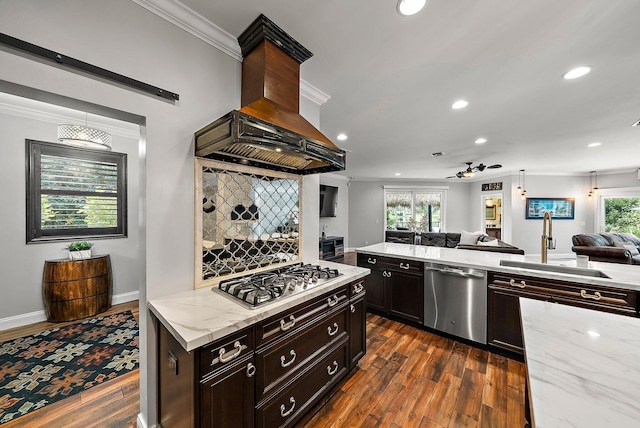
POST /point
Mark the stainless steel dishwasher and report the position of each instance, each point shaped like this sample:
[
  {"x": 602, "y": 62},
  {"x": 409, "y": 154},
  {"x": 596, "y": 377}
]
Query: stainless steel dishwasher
[{"x": 455, "y": 301}]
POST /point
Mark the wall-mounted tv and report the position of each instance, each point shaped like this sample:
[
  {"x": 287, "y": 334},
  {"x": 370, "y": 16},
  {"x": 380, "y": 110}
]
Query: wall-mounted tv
[{"x": 328, "y": 200}]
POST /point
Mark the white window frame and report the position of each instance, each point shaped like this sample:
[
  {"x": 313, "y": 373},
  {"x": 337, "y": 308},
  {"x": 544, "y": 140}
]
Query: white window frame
[
  {"x": 620, "y": 192},
  {"x": 442, "y": 190}
]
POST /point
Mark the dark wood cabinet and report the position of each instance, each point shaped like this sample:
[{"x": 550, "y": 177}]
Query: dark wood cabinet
[
  {"x": 395, "y": 286},
  {"x": 269, "y": 374},
  {"x": 331, "y": 247},
  {"x": 504, "y": 329},
  {"x": 227, "y": 397}
]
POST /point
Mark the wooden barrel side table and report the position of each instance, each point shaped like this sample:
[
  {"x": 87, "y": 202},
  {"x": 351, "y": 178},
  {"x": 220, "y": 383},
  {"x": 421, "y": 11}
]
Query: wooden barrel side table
[{"x": 75, "y": 289}]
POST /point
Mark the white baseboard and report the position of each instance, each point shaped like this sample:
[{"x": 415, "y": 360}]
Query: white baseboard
[{"x": 38, "y": 316}]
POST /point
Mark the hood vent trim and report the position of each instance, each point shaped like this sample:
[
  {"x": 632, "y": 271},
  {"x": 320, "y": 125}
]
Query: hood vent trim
[{"x": 268, "y": 130}]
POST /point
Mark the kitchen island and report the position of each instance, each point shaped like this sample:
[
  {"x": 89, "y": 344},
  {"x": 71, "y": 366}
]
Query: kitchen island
[
  {"x": 222, "y": 363},
  {"x": 582, "y": 366},
  {"x": 619, "y": 275}
]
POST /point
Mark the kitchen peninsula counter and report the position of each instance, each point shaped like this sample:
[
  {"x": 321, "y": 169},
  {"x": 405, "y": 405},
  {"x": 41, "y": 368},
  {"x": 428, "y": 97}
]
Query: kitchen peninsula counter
[
  {"x": 198, "y": 317},
  {"x": 620, "y": 275},
  {"x": 582, "y": 366}
]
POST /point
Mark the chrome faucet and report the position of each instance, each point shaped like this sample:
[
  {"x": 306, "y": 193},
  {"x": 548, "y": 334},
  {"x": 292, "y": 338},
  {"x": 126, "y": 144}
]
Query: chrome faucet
[{"x": 547, "y": 240}]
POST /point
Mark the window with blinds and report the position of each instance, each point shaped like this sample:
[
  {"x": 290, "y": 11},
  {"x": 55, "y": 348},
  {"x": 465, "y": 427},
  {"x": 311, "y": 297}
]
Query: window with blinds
[{"x": 74, "y": 193}]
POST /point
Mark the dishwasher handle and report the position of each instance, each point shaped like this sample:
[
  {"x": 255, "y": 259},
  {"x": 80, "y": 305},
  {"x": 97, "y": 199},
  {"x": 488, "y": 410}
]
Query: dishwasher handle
[{"x": 454, "y": 271}]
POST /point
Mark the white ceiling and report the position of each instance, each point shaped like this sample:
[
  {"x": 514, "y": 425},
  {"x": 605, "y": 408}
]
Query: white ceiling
[{"x": 392, "y": 80}]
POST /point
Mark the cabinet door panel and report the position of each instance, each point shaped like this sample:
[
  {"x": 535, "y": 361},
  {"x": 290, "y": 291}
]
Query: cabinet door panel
[
  {"x": 406, "y": 295},
  {"x": 226, "y": 399},
  {"x": 376, "y": 296},
  {"x": 357, "y": 330}
]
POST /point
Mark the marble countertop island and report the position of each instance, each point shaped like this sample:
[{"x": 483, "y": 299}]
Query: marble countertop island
[
  {"x": 197, "y": 317},
  {"x": 582, "y": 366},
  {"x": 620, "y": 275}
]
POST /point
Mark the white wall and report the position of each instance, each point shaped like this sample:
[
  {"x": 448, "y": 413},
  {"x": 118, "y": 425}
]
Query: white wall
[
  {"x": 122, "y": 37},
  {"x": 367, "y": 216},
  {"x": 21, "y": 264},
  {"x": 338, "y": 225}
]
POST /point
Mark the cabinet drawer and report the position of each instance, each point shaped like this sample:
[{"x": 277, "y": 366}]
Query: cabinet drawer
[
  {"x": 378, "y": 262},
  {"x": 293, "y": 319},
  {"x": 226, "y": 351},
  {"x": 278, "y": 362},
  {"x": 356, "y": 289},
  {"x": 285, "y": 408},
  {"x": 586, "y": 295}
]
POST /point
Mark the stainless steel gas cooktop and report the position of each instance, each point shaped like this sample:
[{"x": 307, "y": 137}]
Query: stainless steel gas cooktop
[{"x": 264, "y": 287}]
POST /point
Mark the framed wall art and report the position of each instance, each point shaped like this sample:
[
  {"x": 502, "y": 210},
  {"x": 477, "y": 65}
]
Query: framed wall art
[
  {"x": 492, "y": 186},
  {"x": 560, "y": 208}
]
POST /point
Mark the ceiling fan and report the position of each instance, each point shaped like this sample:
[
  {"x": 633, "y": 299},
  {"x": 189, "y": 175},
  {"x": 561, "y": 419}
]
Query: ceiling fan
[{"x": 471, "y": 170}]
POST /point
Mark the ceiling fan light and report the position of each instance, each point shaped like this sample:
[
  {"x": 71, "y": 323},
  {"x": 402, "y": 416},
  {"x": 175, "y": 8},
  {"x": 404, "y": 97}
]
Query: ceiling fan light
[
  {"x": 410, "y": 7},
  {"x": 83, "y": 136}
]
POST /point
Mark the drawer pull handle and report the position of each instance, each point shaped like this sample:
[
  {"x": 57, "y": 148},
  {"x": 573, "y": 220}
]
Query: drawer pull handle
[
  {"x": 595, "y": 296},
  {"x": 224, "y": 359},
  {"x": 333, "y": 333},
  {"x": 251, "y": 370},
  {"x": 358, "y": 288},
  {"x": 353, "y": 309},
  {"x": 404, "y": 266},
  {"x": 386, "y": 274},
  {"x": 332, "y": 302},
  {"x": 521, "y": 285},
  {"x": 286, "y": 413},
  {"x": 284, "y": 326},
  {"x": 288, "y": 363},
  {"x": 333, "y": 371},
  {"x": 372, "y": 261}
]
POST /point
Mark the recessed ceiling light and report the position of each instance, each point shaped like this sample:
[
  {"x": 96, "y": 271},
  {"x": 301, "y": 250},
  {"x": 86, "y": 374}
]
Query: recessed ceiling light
[
  {"x": 410, "y": 7},
  {"x": 576, "y": 72},
  {"x": 342, "y": 137},
  {"x": 397, "y": 174},
  {"x": 636, "y": 124},
  {"x": 593, "y": 333},
  {"x": 596, "y": 144},
  {"x": 481, "y": 140},
  {"x": 459, "y": 104}
]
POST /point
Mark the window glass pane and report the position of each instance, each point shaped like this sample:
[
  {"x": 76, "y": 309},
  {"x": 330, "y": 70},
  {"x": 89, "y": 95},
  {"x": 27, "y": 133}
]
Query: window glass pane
[
  {"x": 428, "y": 211},
  {"x": 622, "y": 215},
  {"x": 74, "y": 192},
  {"x": 399, "y": 210}
]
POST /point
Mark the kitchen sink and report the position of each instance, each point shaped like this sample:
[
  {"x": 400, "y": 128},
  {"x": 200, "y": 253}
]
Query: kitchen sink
[{"x": 554, "y": 268}]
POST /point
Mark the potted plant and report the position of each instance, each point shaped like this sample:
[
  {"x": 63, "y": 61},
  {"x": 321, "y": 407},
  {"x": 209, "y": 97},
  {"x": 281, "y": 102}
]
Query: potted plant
[{"x": 79, "y": 250}]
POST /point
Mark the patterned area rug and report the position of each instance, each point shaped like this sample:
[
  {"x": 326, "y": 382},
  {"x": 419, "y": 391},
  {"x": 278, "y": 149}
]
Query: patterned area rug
[{"x": 47, "y": 367}]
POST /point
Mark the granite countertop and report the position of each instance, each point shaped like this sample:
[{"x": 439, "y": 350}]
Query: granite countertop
[
  {"x": 197, "y": 317},
  {"x": 620, "y": 275},
  {"x": 582, "y": 366}
]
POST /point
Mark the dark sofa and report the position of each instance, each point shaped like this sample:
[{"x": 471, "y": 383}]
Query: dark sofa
[
  {"x": 400, "y": 236},
  {"x": 452, "y": 240},
  {"x": 608, "y": 247}
]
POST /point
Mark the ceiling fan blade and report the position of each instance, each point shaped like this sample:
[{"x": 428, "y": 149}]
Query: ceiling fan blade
[
  {"x": 481, "y": 167},
  {"x": 496, "y": 166},
  {"x": 452, "y": 176}
]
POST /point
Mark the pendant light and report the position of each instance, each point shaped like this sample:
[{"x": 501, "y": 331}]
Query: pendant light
[
  {"x": 523, "y": 193},
  {"x": 519, "y": 189},
  {"x": 593, "y": 177},
  {"x": 84, "y": 136}
]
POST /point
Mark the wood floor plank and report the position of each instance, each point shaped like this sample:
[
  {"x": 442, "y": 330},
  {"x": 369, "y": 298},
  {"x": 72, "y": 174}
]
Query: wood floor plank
[
  {"x": 470, "y": 394},
  {"x": 410, "y": 380}
]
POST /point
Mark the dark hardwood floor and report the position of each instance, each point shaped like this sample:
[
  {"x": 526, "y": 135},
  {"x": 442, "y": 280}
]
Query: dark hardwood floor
[
  {"x": 408, "y": 378},
  {"x": 115, "y": 403}
]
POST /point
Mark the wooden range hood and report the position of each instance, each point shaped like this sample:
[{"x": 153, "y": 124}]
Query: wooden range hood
[{"x": 268, "y": 131}]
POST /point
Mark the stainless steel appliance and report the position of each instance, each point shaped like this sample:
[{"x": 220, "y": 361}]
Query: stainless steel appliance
[
  {"x": 263, "y": 287},
  {"x": 455, "y": 301}
]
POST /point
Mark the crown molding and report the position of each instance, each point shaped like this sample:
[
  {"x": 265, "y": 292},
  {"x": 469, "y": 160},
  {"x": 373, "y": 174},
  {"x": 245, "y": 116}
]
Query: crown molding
[
  {"x": 197, "y": 25},
  {"x": 40, "y": 113}
]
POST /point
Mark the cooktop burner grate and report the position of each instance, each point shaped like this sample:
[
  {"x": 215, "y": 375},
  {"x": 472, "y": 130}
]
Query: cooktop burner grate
[{"x": 263, "y": 287}]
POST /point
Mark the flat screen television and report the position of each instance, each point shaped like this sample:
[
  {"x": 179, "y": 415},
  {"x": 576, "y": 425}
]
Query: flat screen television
[{"x": 328, "y": 200}]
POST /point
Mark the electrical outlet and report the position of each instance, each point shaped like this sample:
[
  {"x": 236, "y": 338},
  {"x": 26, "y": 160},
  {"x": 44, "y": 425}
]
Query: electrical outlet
[
  {"x": 366, "y": 242},
  {"x": 377, "y": 221}
]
